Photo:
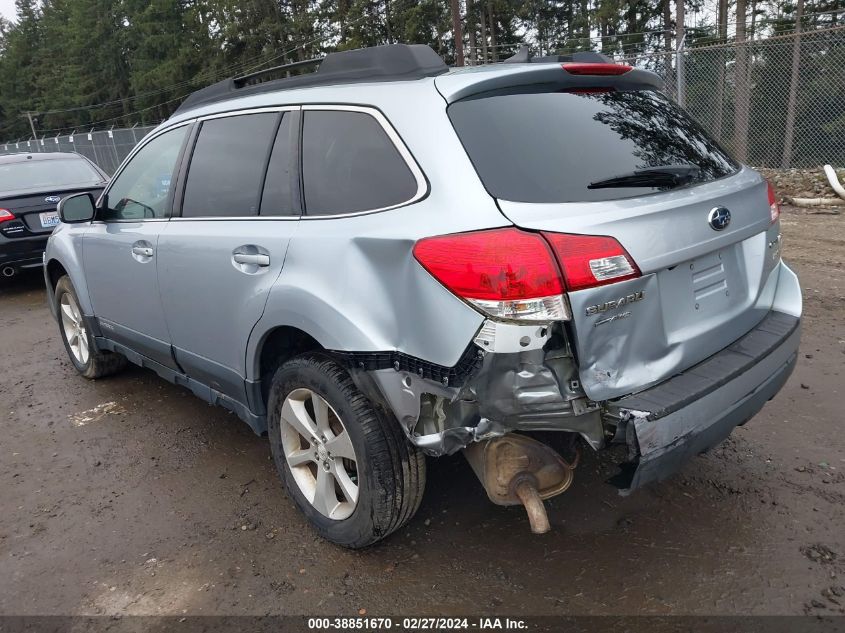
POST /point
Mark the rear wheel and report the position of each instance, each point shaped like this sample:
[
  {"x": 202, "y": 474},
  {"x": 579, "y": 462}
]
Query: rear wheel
[
  {"x": 78, "y": 339},
  {"x": 349, "y": 468}
]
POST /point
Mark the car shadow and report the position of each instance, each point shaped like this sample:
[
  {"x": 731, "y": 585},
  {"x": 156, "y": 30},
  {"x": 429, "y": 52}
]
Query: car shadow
[{"x": 23, "y": 282}]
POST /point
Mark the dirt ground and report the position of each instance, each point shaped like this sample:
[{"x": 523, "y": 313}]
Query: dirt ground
[{"x": 130, "y": 496}]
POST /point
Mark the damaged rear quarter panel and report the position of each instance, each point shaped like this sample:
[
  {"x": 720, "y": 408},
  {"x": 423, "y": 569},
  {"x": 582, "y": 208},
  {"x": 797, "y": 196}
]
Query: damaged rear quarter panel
[{"x": 640, "y": 349}]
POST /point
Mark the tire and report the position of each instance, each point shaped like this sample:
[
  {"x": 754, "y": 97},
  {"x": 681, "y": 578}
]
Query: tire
[
  {"x": 389, "y": 472},
  {"x": 93, "y": 363}
]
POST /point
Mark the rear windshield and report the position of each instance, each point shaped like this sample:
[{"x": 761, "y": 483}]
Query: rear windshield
[
  {"x": 549, "y": 146},
  {"x": 52, "y": 174}
]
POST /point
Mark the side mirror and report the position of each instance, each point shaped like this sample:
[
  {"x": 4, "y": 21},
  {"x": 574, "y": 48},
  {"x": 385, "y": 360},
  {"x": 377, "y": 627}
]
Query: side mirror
[{"x": 77, "y": 208}]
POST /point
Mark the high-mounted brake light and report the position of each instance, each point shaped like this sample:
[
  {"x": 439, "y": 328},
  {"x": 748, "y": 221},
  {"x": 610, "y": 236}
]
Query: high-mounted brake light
[
  {"x": 6, "y": 215},
  {"x": 505, "y": 273},
  {"x": 580, "y": 68},
  {"x": 588, "y": 261},
  {"x": 774, "y": 207}
]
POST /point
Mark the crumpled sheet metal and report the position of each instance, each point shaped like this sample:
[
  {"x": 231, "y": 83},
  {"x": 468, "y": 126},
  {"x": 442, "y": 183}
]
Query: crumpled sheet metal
[{"x": 528, "y": 391}]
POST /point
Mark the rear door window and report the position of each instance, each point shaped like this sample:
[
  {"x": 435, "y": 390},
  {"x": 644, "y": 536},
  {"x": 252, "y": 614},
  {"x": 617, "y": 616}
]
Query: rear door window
[
  {"x": 349, "y": 164},
  {"x": 227, "y": 166},
  {"x": 549, "y": 146},
  {"x": 280, "y": 195}
]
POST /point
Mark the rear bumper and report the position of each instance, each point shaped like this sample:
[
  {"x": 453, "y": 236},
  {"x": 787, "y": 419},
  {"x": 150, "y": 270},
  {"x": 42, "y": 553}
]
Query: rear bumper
[
  {"x": 668, "y": 424},
  {"x": 22, "y": 252}
]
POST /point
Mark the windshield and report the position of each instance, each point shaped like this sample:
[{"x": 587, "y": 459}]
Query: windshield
[
  {"x": 549, "y": 146},
  {"x": 50, "y": 174}
]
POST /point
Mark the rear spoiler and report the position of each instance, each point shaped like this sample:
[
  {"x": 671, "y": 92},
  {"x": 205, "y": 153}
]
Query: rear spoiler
[{"x": 558, "y": 72}]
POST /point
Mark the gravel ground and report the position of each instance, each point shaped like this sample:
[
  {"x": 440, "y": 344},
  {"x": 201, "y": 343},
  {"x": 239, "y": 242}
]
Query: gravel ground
[{"x": 130, "y": 496}]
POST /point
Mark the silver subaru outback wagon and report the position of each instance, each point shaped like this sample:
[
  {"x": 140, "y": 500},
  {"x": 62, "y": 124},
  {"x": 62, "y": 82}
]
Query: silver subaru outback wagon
[{"x": 387, "y": 259}]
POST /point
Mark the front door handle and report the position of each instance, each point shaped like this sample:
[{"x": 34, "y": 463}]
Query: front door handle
[
  {"x": 249, "y": 258},
  {"x": 142, "y": 251}
]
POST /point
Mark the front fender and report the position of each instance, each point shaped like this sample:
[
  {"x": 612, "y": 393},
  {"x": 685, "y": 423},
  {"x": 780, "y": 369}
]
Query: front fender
[{"x": 65, "y": 247}]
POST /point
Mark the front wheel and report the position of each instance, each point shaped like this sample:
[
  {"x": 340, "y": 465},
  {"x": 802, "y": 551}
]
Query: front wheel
[
  {"x": 349, "y": 468},
  {"x": 78, "y": 339}
]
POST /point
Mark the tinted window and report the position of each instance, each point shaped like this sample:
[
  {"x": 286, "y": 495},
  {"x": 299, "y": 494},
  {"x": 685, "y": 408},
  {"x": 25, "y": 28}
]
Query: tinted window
[
  {"x": 349, "y": 164},
  {"x": 227, "y": 166},
  {"x": 141, "y": 190},
  {"x": 53, "y": 173},
  {"x": 278, "y": 194},
  {"x": 549, "y": 146}
]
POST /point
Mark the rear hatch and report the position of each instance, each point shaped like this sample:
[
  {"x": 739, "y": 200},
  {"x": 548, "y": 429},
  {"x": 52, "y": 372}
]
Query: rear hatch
[
  {"x": 31, "y": 188},
  {"x": 549, "y": 153},
  {"x": 36, "y": 214}
]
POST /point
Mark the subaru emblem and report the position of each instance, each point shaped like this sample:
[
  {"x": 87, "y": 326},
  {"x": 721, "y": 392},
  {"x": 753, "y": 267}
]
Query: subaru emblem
[
  {"x": 719, "y": 218},
  {"x": 53, "y": 199}
]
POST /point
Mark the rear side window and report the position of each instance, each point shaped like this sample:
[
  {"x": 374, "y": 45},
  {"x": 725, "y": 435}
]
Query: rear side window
[
  {"x": 278, "y": 197},
  {"x": 349, "y": 164},
  {"x": 227, "y": 166},
  {"x": 549, "y": 146}
]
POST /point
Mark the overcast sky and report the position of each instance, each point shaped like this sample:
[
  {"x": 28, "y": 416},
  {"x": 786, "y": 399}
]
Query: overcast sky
[{"x": 7, "y": 9}]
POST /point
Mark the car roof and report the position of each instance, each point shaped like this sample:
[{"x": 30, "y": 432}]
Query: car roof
[
  {"x": 376, "y": 64},
  {"x": 24, "y": 156},
  {"x": 393, "y": 74}
]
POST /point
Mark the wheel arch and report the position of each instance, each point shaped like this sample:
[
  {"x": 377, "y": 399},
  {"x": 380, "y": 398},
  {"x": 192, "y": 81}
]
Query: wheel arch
[
  {"x": 55, "y": 271},
  {"x": 64, "y": 257},
  {"x": 275, "y": 346}
]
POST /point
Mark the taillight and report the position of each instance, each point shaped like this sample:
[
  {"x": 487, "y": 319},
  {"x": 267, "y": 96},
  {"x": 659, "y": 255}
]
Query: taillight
[
  {"x": 588, "y": 261},
  {"x": 774, "y": 207},
  {"x": 517, "y": 275},
  {"x": 6, "y": 215},
  {"x": 506, "y": 273},
  {"x": 576, "y": 68}
]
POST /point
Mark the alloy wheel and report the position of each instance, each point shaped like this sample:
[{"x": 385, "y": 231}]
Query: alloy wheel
[
  {"x": 320, "y": 454},
  {"x": 74, "y": 328}
]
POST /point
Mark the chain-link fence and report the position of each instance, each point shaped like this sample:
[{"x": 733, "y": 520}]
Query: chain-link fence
[
  {"x": 107, "y": 148},
  {"x": 777, "y": 102}
]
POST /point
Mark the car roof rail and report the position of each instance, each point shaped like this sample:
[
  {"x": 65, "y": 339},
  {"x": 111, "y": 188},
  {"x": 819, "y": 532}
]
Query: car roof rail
[
  {"x": 256, "y": 77},
  {"x": 523, "y": 56},
  {"x": 391, "y": 62}
]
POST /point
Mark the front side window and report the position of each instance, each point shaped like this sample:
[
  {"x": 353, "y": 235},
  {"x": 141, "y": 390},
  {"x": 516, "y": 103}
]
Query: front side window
[
  {"x": 142, "y": 190},
  {"x": 349, "y": 164},
  {"x": 227, "y": 166}
]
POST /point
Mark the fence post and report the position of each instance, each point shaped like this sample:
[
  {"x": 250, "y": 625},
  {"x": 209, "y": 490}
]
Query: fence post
[{"x": 680, "y": 80}]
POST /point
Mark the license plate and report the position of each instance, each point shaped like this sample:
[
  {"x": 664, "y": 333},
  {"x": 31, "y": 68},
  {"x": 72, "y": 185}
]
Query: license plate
[{"x": 50, "y": 219}]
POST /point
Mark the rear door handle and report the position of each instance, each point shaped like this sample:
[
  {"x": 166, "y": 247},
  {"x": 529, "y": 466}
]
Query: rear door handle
[
  {"x": 257, "y": 259},
  {"x": 142, "y": 251}
]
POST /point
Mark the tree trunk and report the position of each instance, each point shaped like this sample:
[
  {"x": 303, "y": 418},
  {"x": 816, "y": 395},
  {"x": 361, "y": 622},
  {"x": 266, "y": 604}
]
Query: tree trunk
[
  {"x": 792, "y": 101},
  {"x": 482, "y": 23},
  {"x": 473, "y": 52},
  {"x": 742, "y": 104},
  {"x": 457, "y": 33},
  {"x": 679, "y": 22},
  {"x": 719, "y": 106},
  {"x": 667, "y": 24},
  {"x": 494, "y": 51},
  {"x": 679, "y": 38},
  {"x": 585, "y": 24},
  {"x": 753, "y": 18}
]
